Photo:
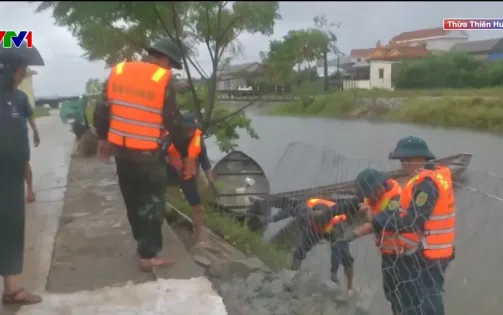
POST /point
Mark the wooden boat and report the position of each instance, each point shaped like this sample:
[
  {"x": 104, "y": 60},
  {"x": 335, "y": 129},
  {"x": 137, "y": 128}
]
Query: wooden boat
[
  {"x": 457, "y": 163},
  {"x": 239, "y": 179},
  {"x": 245, "y": 192}
]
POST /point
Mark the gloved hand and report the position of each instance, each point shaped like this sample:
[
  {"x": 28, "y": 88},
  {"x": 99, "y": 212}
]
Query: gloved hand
[{"x": 36, "y": 138}]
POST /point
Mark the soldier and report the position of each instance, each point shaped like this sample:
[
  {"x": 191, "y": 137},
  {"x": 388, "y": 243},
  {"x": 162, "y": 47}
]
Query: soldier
[
  {"x": 382, "y": 194},
  {"x": 138, "y": 107},
  {"x": 198, "y": 155},
  {"x": 425, "y": 225}
]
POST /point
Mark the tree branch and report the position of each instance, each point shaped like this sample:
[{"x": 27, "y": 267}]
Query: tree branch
[
  {"x": 207, "y": 39},
  {"x": 227, "y": 28},
  {"x": 214, "y": 63},
  {"x": 128, "y": 37},
  {"x": 221, "y": 119},
  {"x": 197, "y": 101}
]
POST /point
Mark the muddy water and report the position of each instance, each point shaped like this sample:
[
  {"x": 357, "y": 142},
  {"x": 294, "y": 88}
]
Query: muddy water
[{"x": 474, "y": 283}]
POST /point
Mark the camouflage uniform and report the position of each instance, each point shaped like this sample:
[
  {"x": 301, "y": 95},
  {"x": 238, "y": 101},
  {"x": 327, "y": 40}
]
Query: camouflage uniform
[{"x": 142, "y": 175}]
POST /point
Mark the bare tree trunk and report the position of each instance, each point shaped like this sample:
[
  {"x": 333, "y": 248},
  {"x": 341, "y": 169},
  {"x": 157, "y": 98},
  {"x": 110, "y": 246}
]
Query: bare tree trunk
[{"x": 325, "y": 70}]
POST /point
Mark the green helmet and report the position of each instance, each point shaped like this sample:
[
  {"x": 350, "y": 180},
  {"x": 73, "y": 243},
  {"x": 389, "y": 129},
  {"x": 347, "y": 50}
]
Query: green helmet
[
  {"x": 411, "y": 147},
  {"x": 369, "y": 180},
  {"x": 168, "y": 48},
  {"x": 190, "y": 121}
]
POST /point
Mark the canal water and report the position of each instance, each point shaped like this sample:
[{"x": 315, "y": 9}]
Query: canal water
[{"x": 303, "y": 152}]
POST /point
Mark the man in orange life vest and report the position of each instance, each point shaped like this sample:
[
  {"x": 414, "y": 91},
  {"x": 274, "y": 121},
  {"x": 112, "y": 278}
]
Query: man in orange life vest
[
  {"x": 425, "y": 224},
  {"x": 325, "y": 219},
  {"x": 382, "y": 194},
  {"x": 139, "y": 106},
  {"x": 187, "y": 179}
]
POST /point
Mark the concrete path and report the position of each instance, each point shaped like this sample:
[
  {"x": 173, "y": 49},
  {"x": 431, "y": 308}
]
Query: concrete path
[{"x": 91, "y": 264}]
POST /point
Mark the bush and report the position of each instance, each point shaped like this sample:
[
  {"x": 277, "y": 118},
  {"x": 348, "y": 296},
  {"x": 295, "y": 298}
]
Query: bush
[
  {"x": 473, "y": 113},
  {"x": 448, "y": 71},
  {"x": 328, "y": 105}
]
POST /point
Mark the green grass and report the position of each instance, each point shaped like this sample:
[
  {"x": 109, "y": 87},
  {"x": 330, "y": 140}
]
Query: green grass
[
  {"x": 474, "y": 113},
  {"x": 40, "y": 112},
  {"x": 234, "y": 232},
  {"x": 471, "y": 109}
]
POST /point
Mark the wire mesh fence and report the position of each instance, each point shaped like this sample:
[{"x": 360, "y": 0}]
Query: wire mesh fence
[{"x": 472, "y": 282}]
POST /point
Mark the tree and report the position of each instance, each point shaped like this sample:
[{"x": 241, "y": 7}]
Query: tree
[
  {"x": 300, "y": 48},
  {"x": 94, "y": 87},
  {"x": 329, "y": 43},
  {"x": 120, "y": 30}
]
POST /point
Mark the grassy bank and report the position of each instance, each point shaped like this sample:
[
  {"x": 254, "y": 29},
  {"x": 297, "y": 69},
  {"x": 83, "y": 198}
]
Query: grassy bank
[
  {"x": 472, "y": 109},
  {"x": 232, "y": 231},
  {"x": 40, "y": 112}
]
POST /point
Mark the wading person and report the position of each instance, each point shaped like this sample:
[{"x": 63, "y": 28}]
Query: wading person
[
  {"x": 139, "y": 107},
  {"x": 425, "y": 224},
  {"x": 187, "y": 176},
  {"x": 14, "y": 109}
]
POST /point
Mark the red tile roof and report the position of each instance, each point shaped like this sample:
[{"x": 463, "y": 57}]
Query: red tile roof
[
  {"x": 405, "y": 53},
  {"x": 424, "y": 33},
  {"x": 361, "y": 53}
]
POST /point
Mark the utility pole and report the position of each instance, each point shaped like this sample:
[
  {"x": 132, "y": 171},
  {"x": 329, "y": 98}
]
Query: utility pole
[{"x": 325, "y": 70}]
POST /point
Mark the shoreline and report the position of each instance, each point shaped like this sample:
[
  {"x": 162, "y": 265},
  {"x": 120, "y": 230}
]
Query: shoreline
[{"x": 480, "y": 114}]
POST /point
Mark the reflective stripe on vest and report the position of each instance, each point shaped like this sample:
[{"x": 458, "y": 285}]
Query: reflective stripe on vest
[
  {"x": 175, "y": 159},
  {"x": 135, "y": 93},
  {"x": 387, "y": 242},
  {"x": 335, "y": 220},
  {"x": 437, "y": 240}
]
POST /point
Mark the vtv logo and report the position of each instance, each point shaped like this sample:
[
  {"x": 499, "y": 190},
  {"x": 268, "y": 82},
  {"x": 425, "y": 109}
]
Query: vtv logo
[{"x": 11, "y": 39}]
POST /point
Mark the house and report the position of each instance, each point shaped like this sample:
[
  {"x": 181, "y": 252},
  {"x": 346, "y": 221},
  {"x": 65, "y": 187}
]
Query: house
[
  {"x": 235, "y": 76},
  {"x": 343, "y": 63},
  {"x": 436, "y": 39},
  {"x": 487, "y": 49},
  {"x": 361, "y": 54},
  {"x": 384, "y": 59},
  {"x": 27, "y": 85}
]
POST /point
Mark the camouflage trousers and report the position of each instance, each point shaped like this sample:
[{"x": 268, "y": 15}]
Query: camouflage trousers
[{"x": 142, "y": 185}]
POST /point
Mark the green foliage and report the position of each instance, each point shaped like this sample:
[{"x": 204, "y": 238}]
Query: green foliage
[
  {"x": 232, "y": 231},
  {"x": 448, "y": 71},
  {"x": 327, "y": 105},
  {"x": 299, "y": 48},
  {"x": 117, "y": 31},
  {"x": 477, "y": 109},
  {"x": 473, "y": 113},
  {"x": 94, "y": 87},
  {"x": 224, "y": 129}
]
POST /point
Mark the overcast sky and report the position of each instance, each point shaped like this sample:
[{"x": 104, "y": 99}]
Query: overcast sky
[{"x": 362, "y": 25}]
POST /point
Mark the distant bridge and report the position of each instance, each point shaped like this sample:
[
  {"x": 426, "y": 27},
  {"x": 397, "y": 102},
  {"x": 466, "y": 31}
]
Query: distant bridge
[{"x": 54, "y": 102}]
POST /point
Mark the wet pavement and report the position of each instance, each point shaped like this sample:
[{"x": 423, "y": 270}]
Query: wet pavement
[
  {"x": 50, "y": 163},
  {"x": 78, "y": 243}
]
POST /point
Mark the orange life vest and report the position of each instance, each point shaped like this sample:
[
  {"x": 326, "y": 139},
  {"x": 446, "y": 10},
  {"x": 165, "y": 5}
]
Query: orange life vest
[
  {"x": 135, "y": 93},
  {"x": 437, "y": 240},
  {"x": 387, "y": 242},
  {"x": 335, "y": 220},
  {"x": 175, "y": 159}
]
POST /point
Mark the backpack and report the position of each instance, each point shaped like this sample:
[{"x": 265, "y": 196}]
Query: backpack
[{"x": 12, "y": 125}]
